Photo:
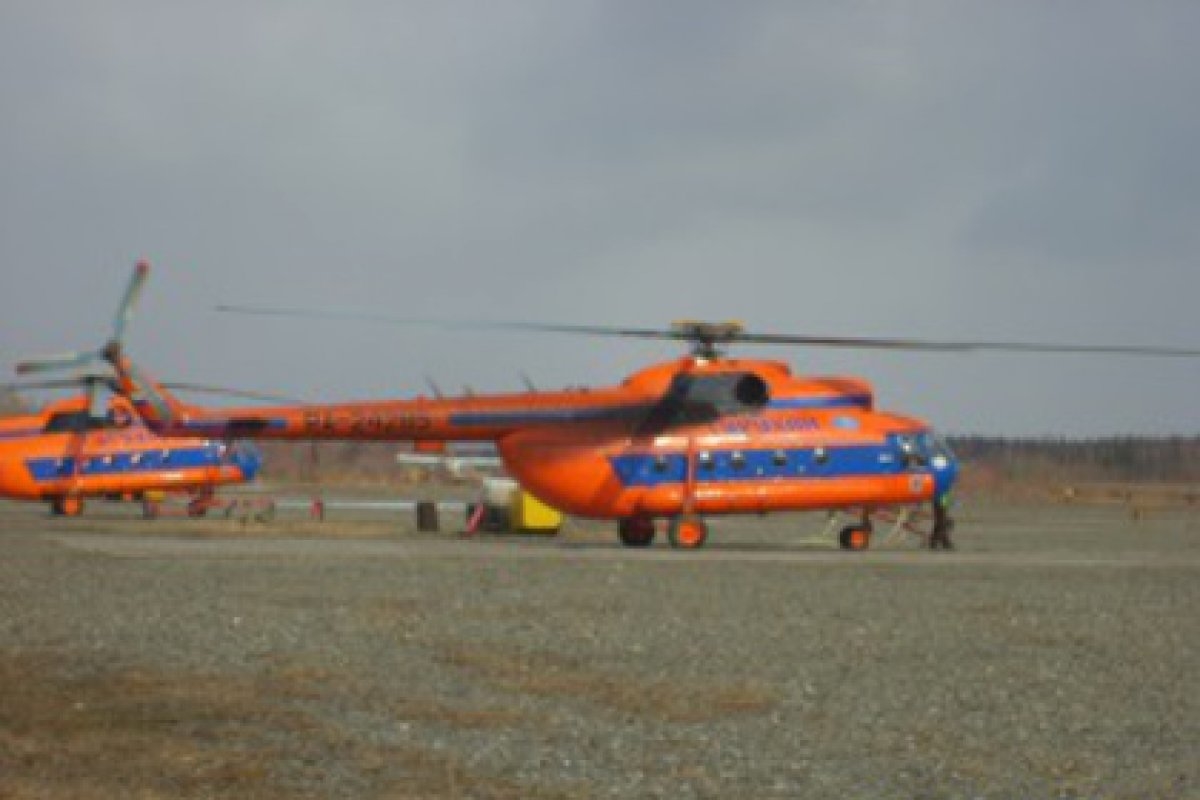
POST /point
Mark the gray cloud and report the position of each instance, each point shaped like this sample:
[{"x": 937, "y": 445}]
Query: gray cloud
[{"x": 1017, "y": 170}]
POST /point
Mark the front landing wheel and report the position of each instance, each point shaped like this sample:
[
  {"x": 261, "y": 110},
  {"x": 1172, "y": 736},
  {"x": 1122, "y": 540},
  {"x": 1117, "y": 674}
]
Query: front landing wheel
[
  {"x": 636, "y": 531},
  {"x": 688, "y": 532},
  {"x": 70, "y": 505},
  {"x": 855, "y": 537}
]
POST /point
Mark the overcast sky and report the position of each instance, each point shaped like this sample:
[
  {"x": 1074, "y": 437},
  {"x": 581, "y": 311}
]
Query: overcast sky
[{"x": 991, "y": 170}]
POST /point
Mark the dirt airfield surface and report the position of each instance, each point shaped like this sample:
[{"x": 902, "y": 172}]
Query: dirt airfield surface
[{"x": 1052, "y": 655}]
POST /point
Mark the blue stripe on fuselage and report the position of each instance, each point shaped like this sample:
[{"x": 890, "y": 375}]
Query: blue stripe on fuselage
[
  {"x": 221, "y": 426},
  {"x": 835, "y": 401},
  {"x": 559, "y": 415},
  {"x": 474, "y": 419},
  {"x": 742, "y": 465},
  {"x": 45, "y": 469}
]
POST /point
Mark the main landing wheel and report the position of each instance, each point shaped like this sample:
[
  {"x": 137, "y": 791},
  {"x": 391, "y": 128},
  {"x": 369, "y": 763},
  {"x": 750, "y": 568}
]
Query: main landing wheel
[
  {"x": 636, "y": 531},
  {"x": 70, "y": 505},
  {"x": 855, "y": 537},
  {"x": 688, "y": 532}
]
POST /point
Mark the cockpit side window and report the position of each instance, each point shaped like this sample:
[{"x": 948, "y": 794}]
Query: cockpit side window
[{"x": 912, "y": 450}]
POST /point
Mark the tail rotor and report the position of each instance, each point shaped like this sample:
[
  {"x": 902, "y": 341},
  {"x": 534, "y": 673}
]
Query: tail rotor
[
  {"x": 112, "y": 352},
  {"x": 112, "y": 349}
]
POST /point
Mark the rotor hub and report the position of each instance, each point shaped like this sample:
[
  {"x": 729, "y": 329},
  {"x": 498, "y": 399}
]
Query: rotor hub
[{"x": 708, "y": 338}]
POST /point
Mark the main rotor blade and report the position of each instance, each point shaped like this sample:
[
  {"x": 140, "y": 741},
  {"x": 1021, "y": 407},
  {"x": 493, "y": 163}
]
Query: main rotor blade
[
  {"x": 221, "y": 390},
  {"x": 726, "y": 333},
  {"x": 144, "y": 387},
  {"x": 964, "y": 346},
  {"x": 56, "y": 362},
  {"x": 62, "y": 383},
  {"x": 544, "y": 327},
  {"x": 129, "y": 301},
  {"x": 95, "y": 380}
]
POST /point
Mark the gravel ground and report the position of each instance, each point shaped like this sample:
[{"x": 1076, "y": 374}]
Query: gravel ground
[{"x": 1052, "y": 656}]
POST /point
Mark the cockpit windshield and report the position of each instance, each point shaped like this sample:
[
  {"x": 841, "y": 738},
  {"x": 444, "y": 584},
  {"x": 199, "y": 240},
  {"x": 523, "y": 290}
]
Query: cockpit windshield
[
  {"x": 935, "y": 445},
  {"x": 924, "y": 449},
  {"x": 937, "y": 452}
]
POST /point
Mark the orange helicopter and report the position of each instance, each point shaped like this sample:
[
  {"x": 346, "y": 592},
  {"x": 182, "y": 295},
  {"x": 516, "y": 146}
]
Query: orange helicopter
[
  {"x": 678, "y": 441},
  {"x": 67, "y": 452}
]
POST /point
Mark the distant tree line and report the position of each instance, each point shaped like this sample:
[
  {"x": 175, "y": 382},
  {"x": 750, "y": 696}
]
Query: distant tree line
[
  {"x": 10, "y": 403},
  {"x": 1174, "y": 459}
]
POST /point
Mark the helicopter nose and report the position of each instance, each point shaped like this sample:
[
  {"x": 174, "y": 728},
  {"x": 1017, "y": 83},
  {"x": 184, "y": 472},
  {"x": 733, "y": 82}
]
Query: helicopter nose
[
  {"x": 945, "y": 472},
  {"x": 248, "y": 459}
]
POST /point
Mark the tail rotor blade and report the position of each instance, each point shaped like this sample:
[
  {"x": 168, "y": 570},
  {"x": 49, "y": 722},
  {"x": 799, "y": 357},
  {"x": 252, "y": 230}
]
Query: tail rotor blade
[
  {"x": 73, "y": 382},
  {"x": 129, "y": 301},
  {"x": 160, "y": 406},
  {"x": 56, "y": 362}
]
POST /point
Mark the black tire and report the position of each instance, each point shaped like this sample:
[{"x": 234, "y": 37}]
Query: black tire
[
  {"x": 635, "y": 532},
  {"x": 854, "y": 537},
  {"x": 427, "y": 517}
]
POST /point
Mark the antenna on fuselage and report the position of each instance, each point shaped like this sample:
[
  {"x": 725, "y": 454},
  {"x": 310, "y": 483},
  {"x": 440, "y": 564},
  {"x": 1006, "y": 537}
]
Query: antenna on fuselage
[{"x": 433, "y": 387}]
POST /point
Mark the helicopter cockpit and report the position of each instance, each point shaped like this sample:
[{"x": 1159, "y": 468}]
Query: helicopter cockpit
[{"x": 929, "y": 451}]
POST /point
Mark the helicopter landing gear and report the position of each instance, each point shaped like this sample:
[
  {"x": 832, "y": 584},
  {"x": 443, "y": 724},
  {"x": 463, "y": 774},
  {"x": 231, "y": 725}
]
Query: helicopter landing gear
[
  {"x": 688, "y": 532},
  {"x": 200, "y": 503},
  {"x": 68, "y": 505},
  {"x": 943, "y": 525},
  {"x": 636, "y": 531},
  {"x": 855, "y": 537},
  {"x": 858, "y": 535}
]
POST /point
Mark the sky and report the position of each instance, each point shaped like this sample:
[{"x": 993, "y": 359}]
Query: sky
[{"x": 959, "y": 170}]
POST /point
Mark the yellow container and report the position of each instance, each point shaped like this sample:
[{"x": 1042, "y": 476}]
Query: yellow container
[{"x": 530, "y": 515}]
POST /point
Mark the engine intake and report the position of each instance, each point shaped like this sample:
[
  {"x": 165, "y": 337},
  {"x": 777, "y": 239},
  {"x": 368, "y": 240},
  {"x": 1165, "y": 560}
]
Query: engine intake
[
  {"x": 752, "y": 391},
  {"x": 700, "y": 398}
]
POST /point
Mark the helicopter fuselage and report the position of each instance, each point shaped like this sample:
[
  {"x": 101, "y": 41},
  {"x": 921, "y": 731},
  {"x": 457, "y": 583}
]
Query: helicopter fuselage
[
  {"x": 696, "y": 435},
  {"x": 64, "y": 451}
]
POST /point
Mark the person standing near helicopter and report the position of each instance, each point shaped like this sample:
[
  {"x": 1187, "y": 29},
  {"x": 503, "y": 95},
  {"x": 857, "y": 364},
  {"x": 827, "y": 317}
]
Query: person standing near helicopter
[{"x": 943, "y": 525}]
